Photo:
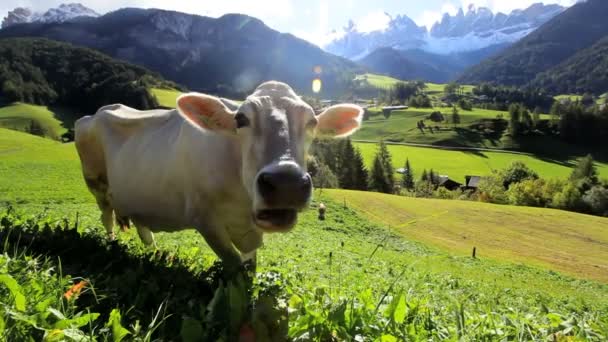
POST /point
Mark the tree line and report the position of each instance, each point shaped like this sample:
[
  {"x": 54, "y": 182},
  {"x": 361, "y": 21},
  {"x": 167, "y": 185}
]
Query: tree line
[{"x": 338, "y": 164}]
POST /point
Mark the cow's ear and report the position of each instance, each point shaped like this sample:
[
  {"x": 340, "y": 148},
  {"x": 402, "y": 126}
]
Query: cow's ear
[
  {"x": 339, "y": 121},
  {"x": 207, "y": 111}
]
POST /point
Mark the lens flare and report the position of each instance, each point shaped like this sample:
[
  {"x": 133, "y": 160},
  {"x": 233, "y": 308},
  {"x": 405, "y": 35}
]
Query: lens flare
[
  {"x": 318, "y": 70},
  {"x": 316, "y": 85}
]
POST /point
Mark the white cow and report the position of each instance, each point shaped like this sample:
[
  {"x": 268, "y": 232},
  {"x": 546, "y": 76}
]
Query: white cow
[{"x": 232, "y": 173}]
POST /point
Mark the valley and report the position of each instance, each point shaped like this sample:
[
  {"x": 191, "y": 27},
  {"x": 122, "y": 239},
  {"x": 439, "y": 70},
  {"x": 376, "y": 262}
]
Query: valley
[{"x": 471, "y": 205}]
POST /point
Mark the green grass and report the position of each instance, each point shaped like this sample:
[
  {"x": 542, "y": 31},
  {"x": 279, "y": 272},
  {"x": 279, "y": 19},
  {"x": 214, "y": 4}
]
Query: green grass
[
  {"x": 348, "y": 275},
  {"x": 571, "y": 97},
  {"x": 560, "y": 240},
  {"x": 382, "y": 81},
  {"x": 457, "y": 164},
  {"x": 166, "y": 97},
  {"x": 18, "y": 116},
  {"x": 379, "y": 81}
]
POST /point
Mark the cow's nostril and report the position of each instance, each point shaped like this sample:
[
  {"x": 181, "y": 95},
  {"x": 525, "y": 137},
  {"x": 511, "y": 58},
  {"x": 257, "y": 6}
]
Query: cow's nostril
[
  {"x": 306, "y": 182},
  {"x": 265, "y": 183}
]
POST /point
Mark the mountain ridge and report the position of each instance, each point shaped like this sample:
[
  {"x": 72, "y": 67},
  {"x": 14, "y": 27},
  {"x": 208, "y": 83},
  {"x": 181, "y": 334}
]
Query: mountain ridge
[
  {"x": 228, "y": 55},
  {"x": 478, "y": 28},
  {"x": 574, "y": 30},
  {"x": 62, "y": 13}
]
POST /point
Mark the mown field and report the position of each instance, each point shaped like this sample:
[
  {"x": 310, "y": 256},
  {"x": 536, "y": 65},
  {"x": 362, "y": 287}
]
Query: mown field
[
  {"x": 571, "y": 243},
  {"x": 379, "y": 268},
  {"x": 458, "y": 164}
]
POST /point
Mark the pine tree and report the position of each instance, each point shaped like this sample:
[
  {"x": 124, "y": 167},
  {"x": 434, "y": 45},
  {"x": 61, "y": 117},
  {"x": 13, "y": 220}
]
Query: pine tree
[
  {"x": 432, "y": 177},
  {"x": 526, "y": 118},
  {"x": 425, "y": 176},
  {"x": 585, "y": 171},
  {"x": 347, "y": 171},
  {"x": 382, "y": 174},
  {"x": 514, "y": 121},
  {"x": 455, "y": 116},
  {"x": 360, "y": 171},
  {"x": 536, "y": 116},
  {"x": 408, "y": 176},
  {"x": 387, "y": 164},
  {"x": 377, "y": 180}
]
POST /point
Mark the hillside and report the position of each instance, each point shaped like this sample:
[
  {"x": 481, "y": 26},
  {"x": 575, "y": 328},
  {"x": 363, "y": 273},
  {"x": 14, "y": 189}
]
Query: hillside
[
  {"x": 585, "y": 72},
  {"x": 395, "y": 63},
  {"x": 229, "y": 55},
  {"x": 49, "y": 122},
  {"x": 349, "y": 277},
  {"x": 422, "y": 65},
  {"x": 577, "y": 28},
  {"x": 44, "y": 72}
]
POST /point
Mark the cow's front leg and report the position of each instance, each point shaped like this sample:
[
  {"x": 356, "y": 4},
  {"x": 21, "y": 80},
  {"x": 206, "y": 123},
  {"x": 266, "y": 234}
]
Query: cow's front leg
[
  {"x": 220, "y": 243},
  {"x": 251, "y": 259}
]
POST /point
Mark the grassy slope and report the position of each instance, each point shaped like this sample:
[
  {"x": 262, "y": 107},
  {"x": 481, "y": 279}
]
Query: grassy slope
[
  {"x": 366, "y": 257},
  {"x": 401, "y": 127},
  {"x": 568, "y": 242},
  {"x": 457, "y": 164},
  {"x": 166, "y": 97},
  {"x": 19, "y": 115},
  {"x": 381, "y": 81}
]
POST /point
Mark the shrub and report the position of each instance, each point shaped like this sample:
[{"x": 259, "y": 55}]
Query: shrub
[
  {"x": 527, "y": 193},
  {"x": 465, "y": 104},
  {"x": 424, "y": 188},
  {"x": 443, "y": 193},
  {"x": 436, "y": 116},
  {"x": 517, "y": 172},
  {"x": 597, "y": 200},
  {"x": 491, "y": 189},
  {"x": 568, "y": 198}
]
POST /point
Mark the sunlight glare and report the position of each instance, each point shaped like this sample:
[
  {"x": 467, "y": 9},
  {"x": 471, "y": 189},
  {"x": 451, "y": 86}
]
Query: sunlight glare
[{"x": 316, "y": 85}]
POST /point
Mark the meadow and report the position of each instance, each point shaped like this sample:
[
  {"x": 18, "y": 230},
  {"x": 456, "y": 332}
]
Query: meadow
[
  {"x": 401, "y": 127},
  {"x": 382, "y": 81},
  {"x": 379, "y": 267}
]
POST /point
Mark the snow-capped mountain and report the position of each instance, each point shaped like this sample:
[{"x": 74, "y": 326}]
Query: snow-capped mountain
[
  {"x": 478, "y": 28},
  {"x": 60, "y": 14}
]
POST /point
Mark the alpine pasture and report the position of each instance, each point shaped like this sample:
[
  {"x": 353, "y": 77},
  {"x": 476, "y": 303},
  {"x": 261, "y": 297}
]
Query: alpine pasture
[{"x": 379, "y": 268}]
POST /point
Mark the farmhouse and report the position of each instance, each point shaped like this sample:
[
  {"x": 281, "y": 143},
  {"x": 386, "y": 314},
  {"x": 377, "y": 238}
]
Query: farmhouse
[
  {"x": 471, "y": 182},
  {"x": 389, "y": 109},
  {"x": 446, "y": 182}
]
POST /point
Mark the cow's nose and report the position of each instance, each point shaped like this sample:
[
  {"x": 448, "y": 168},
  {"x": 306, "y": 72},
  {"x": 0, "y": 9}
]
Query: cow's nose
[{"x": 285, "y": 188}]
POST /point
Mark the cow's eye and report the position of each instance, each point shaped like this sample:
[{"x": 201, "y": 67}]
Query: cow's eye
[{"x": 241, "y": 120}]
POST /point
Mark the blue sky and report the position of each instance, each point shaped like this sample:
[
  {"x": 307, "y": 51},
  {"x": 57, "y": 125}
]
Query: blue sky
[{"x": 309, "y": 19}]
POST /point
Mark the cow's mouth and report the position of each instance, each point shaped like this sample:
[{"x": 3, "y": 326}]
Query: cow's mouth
[{"x": 275, "y": 220}]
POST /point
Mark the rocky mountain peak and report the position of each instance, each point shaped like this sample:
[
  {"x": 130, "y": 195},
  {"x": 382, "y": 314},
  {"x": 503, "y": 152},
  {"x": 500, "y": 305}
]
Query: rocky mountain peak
[{"x": 59, "y": 14}]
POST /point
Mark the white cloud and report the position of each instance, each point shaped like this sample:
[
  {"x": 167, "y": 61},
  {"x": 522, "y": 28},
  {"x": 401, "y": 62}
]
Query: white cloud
[
  {"x": 374, "y": 21},
  {"x": 428, "y": 18}
]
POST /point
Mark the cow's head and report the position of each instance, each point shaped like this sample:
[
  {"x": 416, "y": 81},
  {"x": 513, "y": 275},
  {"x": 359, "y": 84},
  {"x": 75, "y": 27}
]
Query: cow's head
[{"x": 275, "y": 129}]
